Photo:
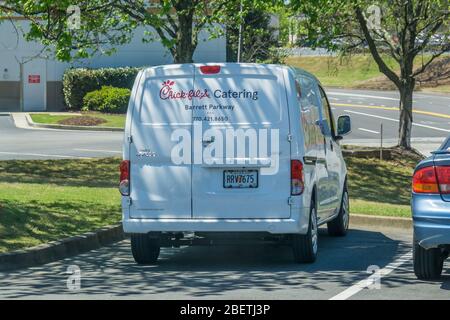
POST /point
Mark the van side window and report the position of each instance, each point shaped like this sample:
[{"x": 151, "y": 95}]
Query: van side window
[
  {"x": 298, "y": 91},
  {"x": 308, "y": 94},
  {"x": 328, "y": 115}
]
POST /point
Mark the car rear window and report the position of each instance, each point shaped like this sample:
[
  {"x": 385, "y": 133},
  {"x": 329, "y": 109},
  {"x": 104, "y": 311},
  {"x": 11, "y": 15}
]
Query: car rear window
[{"x": 446, "y": 145}]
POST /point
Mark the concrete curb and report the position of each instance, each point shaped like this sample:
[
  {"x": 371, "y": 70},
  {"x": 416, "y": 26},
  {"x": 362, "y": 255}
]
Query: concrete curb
[
  {"x": 57, "y": 250},
  {"x": 380, "y": 221},
  {"x": 31, "y": 123}
]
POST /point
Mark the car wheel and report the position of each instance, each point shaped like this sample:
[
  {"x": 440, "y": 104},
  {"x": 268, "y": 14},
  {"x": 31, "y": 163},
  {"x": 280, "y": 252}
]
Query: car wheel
[
  {"x": 305, "y": 246},
  {"x": 428, "y": 263},
  {"x": 145, "y": 249},
  {"x": 338, "y": 227}
]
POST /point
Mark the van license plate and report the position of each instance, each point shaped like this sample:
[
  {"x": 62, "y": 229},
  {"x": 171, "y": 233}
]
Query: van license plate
[{"x": 240, "y": 179}]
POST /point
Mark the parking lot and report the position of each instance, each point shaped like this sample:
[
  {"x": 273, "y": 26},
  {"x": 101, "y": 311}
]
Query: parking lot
[{"x": 239, "y": 272}]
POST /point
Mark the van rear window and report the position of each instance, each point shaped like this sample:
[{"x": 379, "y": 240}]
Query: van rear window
[
  {"x": 227, "y": 100},
  {"x": 239, "y": 100}
]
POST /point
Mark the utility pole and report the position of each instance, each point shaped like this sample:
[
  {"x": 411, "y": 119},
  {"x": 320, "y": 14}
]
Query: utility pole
[
  {"x": 381, "y": 142},
  {"x": 240, "y": 35}
]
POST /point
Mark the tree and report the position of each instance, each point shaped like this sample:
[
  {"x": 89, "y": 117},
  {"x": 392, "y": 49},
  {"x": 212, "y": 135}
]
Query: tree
[
  {"x": 401, "y": 29},
  {"x": 259, "y": 41},
  {"x": 105, "y": 24}
]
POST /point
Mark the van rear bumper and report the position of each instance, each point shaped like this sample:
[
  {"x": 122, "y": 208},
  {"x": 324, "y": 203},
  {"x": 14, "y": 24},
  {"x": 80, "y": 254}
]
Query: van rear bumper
[{"x": 274, "y": 226}]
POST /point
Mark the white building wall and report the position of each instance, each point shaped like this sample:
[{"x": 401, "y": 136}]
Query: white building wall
[{"x": 14, "y": 49}]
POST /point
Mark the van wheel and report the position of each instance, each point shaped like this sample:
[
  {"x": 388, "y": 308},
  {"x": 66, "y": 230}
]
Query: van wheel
[
  {"x": 305, "y": 246},
  {"x": 145, "y": 249},
  {"x": 338, "y": 227},
  {"x": 427, "y": 263}
]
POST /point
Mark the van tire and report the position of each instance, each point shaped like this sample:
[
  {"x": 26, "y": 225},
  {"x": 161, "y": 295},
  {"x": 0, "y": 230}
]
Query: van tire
[
  {"x": 338, "y": 227},
  {"x": 303, "y": 246},
  {"x": 428, "y": 264},
  {"x": 145, "y": 250}
]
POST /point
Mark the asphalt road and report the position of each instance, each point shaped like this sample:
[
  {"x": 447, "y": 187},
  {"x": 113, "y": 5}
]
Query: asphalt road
[
  {"x": 368, "y": 109},
  {"x": 18, "y": 143},
  {"x": 237, "y": 272}
]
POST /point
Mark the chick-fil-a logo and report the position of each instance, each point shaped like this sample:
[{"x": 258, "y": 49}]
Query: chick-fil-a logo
[{"x": 167, "y": 92}]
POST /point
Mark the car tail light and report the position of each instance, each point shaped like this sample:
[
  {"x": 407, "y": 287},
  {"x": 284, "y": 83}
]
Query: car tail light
[
  {"x": 124, "y": 185},
  {"x": 297, "y": 181},
  {"x": 443, "y": 178},
  {"x": 210, "y": 69},
  {"x": 432, "y": 180}
]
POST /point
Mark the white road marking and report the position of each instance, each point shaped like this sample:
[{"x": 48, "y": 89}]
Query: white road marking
[
  {"x": 367, "y": 130},
  {"x": 41, "y": 155},
  {"x": 395, "y": 120},
  {"x": 97, "y": 150},
  {"x": 351, "y": 291},
  {"x": 360, "y": 95},
  {"x": 431, "y": 96}
]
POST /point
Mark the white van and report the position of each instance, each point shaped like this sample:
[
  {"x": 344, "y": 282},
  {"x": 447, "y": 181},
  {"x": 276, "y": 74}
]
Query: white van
[{"x": 231, "y": 151}]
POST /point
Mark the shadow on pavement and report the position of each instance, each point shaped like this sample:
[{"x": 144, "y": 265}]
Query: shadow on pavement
[{"x": 197, "y": 272}]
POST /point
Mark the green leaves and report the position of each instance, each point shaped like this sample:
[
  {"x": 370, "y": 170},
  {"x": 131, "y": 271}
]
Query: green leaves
[{"x": 78, "y": 82}]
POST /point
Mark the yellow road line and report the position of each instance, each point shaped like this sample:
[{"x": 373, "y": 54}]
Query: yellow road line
[{"x": 428, "y": 113}]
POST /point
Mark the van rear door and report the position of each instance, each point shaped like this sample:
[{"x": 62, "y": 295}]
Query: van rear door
[
  {"x": 160, "y": 187},
  {"x": 241, "y": 152}
]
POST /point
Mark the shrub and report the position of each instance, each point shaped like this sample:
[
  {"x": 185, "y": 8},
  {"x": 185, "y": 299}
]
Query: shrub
[
  {"x": 108, "y": 99},
  {"x": 78, "y": 82}
]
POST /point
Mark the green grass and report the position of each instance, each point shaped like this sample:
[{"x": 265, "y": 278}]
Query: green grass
[
  {"x": 340, "y": 72},
  {"x": 112, "y": 120},
  {"x": 380, "y": 187},
  {"x": 45, "y": 200},
  {"x": 41, "y": 201},
  {"x": 348, "y": 72}
]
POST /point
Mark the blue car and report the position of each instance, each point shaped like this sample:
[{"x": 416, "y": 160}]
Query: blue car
[{"x": 431, "y": 213}]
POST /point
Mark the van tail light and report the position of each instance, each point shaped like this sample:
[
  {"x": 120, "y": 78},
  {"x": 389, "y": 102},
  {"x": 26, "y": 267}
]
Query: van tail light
[
  {"x": 432, "y": 180},
  {"x": 124, "y": 185},
  {"x": 210, "y": 69},
  {"x": 297, "y": 180}
]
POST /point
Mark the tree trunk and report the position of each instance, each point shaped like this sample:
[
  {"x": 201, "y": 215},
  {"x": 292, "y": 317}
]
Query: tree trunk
[
  {"x": 185, "y": 46},
  {"x": 406, "y": 119}
]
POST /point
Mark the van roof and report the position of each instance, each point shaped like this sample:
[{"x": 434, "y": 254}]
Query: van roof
[{"x": 297, "y": 71}]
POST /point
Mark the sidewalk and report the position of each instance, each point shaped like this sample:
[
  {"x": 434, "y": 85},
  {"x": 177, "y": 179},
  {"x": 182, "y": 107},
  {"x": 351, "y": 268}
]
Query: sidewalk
[{"x": 23, "y": 120}]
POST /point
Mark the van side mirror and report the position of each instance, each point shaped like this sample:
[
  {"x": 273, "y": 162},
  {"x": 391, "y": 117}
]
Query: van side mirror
[{"x": 344, "y": 125}]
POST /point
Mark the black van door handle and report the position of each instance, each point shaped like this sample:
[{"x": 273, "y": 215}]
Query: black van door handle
[
  {"x": 309, "y": 160},
  {"x": 314, "y": 160},
  {"x": 211, "y": 140}
]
